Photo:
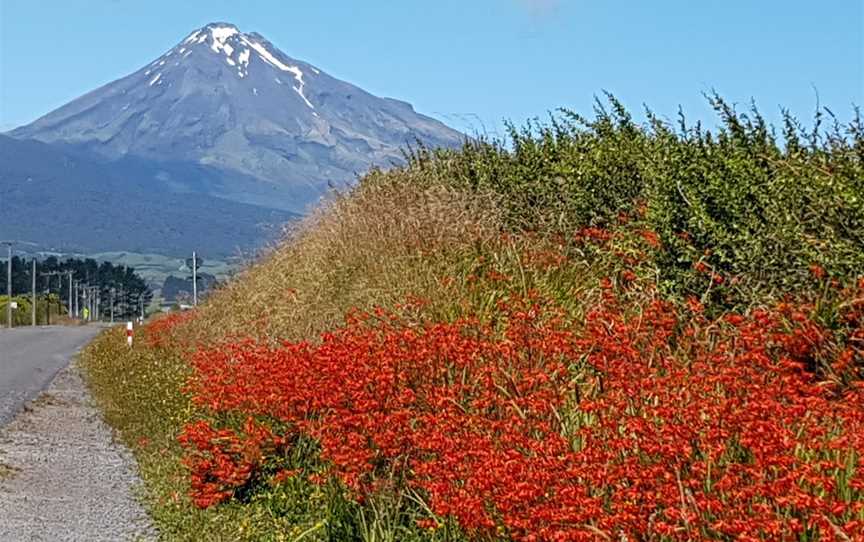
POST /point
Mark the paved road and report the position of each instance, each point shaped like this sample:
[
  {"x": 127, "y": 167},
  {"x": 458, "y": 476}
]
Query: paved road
[{"x": 31, "y": 357}]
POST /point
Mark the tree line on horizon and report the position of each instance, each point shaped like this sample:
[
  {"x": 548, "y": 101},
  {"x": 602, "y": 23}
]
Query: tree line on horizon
[{"x": 52, "y": 279}]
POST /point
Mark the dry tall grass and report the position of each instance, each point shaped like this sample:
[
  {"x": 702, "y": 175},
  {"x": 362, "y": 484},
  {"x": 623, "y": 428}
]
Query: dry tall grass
[{"x": 390, "y": 238}]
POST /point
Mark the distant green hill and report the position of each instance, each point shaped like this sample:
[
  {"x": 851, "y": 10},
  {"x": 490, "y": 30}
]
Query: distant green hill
[{"x": 66, "y": 202}]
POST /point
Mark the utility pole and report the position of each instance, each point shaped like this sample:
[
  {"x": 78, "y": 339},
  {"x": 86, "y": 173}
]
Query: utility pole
[
  {"x": 112, "y": 304},
  {"x": 48, "y": 276},
  {"x": 33, "y": 308},
  {"x": 123, "y": 295},
  {"x": 8, "y": 283},
  {"x": 75, "y": 300},
  {"x": 194, "y": 279},
  {"x": 82, "y": 289},
  {"x": 70, "y": 273},
  {"x": 47, "y": 298}
]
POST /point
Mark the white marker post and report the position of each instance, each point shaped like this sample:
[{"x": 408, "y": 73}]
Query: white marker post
[{"x": 129, "y": 333}]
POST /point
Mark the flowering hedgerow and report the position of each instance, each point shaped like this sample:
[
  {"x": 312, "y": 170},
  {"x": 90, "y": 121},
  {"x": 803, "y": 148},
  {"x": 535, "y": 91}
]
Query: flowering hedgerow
[{"x": 638, "y": 423}]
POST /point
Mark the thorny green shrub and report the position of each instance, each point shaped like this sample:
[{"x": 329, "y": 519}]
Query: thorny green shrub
[{"x": 741, "y": 207}]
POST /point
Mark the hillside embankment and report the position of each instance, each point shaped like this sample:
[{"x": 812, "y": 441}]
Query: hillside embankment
[{"x": 595, "y": 330}]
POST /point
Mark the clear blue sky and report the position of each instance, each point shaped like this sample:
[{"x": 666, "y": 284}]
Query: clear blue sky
[{"x": 469, "y": 62}]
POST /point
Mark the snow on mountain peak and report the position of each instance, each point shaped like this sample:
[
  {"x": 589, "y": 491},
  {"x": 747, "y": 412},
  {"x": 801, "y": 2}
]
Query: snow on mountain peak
[
  {"x": 222, "y": 32},
  {"x": 216, "y": 31},
  {"x": 238, "y": 48},
  {"x": 220, "y": 40}
]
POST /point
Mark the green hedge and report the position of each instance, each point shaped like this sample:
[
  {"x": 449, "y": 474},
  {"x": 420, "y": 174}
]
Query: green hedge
[
  {"x": 23, "y": 316},
  {"x": 756, "y": 208}
]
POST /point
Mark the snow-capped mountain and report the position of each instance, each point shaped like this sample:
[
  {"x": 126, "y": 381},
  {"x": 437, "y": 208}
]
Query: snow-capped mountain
[{"x": 258, "y": 126}]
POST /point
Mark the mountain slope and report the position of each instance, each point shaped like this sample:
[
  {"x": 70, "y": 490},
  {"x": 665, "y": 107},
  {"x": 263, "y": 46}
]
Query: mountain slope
[
  {"x": 64, "y": 202},
  {"x": 273, "y": 130}
]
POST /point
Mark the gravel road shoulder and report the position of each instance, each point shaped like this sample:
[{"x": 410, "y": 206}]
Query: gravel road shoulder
[{"x": 62, "y": 476}]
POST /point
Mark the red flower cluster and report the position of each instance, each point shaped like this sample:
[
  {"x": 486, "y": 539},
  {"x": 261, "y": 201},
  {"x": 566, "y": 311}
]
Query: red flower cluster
[
  {"x": 817, "y": 271},
  {"x": 651, "y": 238},
  {"x": 595, "y": 235},
  {"x": 224, "y": 461},
  {"x": 159, "y": 333},
  {"x": 636, "y": 424}
]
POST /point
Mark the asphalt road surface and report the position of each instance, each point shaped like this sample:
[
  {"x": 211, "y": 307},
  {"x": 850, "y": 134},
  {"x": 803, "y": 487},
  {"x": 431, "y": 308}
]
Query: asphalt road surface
[{"x": 31, "y": 357}]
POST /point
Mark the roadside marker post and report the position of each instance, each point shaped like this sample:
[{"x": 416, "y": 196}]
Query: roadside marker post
[{"x": 129, "y": 333}]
